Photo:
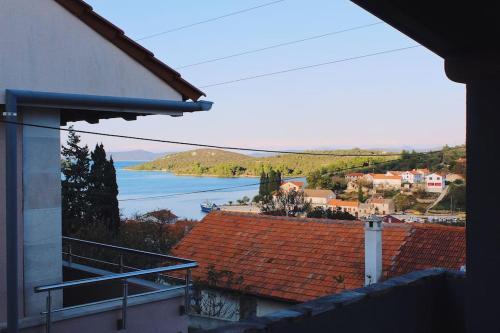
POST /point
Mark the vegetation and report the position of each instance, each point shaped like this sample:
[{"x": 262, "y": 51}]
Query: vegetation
[
  {"x": 404, "y": 202},
  {"x": 269, "y": 183},
  {"x": 89, "y": 189},
  {"x": 286, "y": 203},
  {"x": 329, "y": 177},
  {"x": 455, "y": 198},
  {"x": 214, "y": 162},
  {"x": 322, "y": 213}
]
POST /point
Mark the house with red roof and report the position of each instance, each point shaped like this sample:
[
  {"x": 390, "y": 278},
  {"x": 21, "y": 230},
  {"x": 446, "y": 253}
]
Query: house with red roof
[
  {"x": 354, "y": 176},
  {"x": 163, "y": 216},
  {"x": 351, "y": 207},
  {"x": 279, "y": 261},
  {"x": 386, "y": 181},
  {"x": 292, "y": 185}
]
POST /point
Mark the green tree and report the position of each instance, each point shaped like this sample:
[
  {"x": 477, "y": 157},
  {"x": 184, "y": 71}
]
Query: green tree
[
  {"x": 263, "y": 188},
  {"x": 404, "y": 202},
  {"x": 361, "y": 197},
  {"x": 103, "y": 191},
  {"x": 75, "y": 171},
  {"x": 286, "y": 203},
  {"x": 321, "y": 213}
]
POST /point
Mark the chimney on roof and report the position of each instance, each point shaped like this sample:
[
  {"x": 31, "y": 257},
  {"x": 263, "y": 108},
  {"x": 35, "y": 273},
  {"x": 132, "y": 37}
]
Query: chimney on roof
[{"x": 373, "y": 250}]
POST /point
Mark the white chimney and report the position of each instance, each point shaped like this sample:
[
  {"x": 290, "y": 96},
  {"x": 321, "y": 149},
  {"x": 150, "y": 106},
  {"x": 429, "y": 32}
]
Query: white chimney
[{"x": 373, "y": 250}]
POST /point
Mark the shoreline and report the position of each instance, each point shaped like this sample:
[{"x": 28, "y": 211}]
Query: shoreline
[{"x": 194, "y": 175}]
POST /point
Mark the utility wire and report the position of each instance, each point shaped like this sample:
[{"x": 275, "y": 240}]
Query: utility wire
[
  {"x": 293, "y": 69},
  {"x": 198, "y": 144},
  {"x": 208, "y": 20},
  {"x": 336, "y": 172},
  {"x": 280, "y": 45}
]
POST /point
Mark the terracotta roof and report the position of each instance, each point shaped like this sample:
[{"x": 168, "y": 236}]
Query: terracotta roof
[
  {"x": 163, "y": 214},
  {"x": 391, "y": 219},
  {"x": 294, "y": 259},
  {"x": 383, "y": 176},
  {"x": 431, "y": 246},
  {"x": 342, "y": 203},
  {"x": 318, "y": 193},
  {"x": 146, "y": 58},
  {"x": 299, "y": 184}
]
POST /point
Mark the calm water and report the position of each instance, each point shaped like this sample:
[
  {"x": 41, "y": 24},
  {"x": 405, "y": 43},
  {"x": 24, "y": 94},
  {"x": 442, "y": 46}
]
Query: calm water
[{"x": 134, "y": 184}]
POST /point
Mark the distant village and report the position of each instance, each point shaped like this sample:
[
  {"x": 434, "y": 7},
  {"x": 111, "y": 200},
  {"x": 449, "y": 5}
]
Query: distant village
[{"x": 376, "y": 194}]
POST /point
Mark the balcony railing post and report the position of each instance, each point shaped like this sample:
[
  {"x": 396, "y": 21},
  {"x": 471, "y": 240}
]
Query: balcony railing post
[
  {"x": 48, "y": 315},
  {"x": 187, "y": 296},
  {"x": 124, "y": 304}
]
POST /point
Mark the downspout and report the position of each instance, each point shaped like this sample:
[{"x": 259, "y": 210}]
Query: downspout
[
  {"x": 16, "y": 98},
  {"x": 11, "y": 212}
]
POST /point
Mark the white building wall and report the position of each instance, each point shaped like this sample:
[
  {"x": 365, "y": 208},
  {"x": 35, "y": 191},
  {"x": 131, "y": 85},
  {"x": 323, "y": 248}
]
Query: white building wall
[{"x": 46, "y": 48}]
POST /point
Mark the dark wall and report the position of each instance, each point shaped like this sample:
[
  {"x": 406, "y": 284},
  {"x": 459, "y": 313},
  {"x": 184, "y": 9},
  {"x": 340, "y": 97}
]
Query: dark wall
[{"x": 430, "y": 301}]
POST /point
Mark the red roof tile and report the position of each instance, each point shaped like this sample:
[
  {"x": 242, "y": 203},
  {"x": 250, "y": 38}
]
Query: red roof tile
[
  {"x": 294, "y": 259},
  {"x": 296, "y": 183},
  {"x": 431, "y": 246}
]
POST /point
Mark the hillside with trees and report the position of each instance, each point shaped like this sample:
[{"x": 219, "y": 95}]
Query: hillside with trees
[
  {"x": 445, "y": 160},
  {"x": 221, "y": 163}
]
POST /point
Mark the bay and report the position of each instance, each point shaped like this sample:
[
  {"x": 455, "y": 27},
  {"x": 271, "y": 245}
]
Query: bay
[{"x": 137, "y": 184}]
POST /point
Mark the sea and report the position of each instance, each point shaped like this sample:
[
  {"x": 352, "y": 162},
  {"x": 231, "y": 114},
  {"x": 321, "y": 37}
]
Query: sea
[{"x": 144, "y": 191}]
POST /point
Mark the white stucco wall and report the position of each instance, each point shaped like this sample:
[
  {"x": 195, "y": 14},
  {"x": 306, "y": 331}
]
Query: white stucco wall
[{"x": 46, "y": 48}]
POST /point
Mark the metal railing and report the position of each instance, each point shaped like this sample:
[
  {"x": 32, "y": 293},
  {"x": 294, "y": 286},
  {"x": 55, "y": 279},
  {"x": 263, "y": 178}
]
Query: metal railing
[{"x": 180, "y": 264}]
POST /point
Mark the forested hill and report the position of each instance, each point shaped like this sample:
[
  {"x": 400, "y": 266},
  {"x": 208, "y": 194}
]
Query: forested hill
[{"x": 215, "y": 162}]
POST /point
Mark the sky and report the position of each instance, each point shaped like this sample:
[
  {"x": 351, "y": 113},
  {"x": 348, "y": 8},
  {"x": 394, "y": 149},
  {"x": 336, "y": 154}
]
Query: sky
[{"x": 385, "y": 101}]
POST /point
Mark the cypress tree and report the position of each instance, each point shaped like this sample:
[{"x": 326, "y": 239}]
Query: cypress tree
[
  {"x": 112, "y": 189},
  {"x": 278, "y": 181},
  {"x": 263, "y": 184},
  {"x": 271, "y": 182},
  {"x": 103, "y": 191},
  {"x": 75, "y": 170}
]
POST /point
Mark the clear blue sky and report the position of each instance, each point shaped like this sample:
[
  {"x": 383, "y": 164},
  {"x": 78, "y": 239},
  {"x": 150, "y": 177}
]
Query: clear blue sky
[{"x": 393, "y": 100}]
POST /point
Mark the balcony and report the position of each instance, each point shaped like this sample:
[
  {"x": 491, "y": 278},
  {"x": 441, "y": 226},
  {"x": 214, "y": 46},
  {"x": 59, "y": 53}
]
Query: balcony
[{"x": 107, "y": 288}]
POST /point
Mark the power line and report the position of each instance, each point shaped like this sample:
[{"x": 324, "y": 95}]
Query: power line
[
  {"x": 336, "y": 172},
  {"x": 280, "y": 45},
  {"x": 208, "y": 20},
  {"x": 293, "y": 69},
  {"x": 202, "y": 145}
]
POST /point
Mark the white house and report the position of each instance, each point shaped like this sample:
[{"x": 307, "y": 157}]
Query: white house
[
  {"x": 386, "y": 181},
  {"x": 292, "y": 185},
  {"x": 412, "y": 177},
  {"x": 319, "y": 197},
  {"x": 434, "y": 182}
]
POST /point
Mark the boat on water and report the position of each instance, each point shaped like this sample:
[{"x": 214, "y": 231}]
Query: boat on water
[{"x": 207, "y": 207}]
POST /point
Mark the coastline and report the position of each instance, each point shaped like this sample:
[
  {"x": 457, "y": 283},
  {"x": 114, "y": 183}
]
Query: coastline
[{"x": 195, "y": 175}]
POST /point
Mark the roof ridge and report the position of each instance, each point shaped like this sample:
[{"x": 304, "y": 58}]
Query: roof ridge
[{"x": 304, "y": 219}]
